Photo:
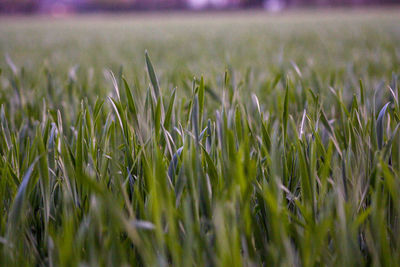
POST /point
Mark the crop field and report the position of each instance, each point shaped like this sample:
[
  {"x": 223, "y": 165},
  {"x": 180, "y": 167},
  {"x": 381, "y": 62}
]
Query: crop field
[{"x": 201, "y": 139}]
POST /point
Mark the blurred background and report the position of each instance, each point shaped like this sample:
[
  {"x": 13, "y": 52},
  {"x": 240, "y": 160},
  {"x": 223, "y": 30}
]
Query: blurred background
[{"x": 90, "y": 6}]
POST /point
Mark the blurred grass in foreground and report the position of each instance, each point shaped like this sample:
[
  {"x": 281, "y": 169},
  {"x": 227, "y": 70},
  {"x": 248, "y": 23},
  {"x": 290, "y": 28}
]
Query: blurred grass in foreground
[{"x": 247, "y": 140}]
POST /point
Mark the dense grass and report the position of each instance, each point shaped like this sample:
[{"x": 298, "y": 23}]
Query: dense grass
[{"x": 246, "y": 140}]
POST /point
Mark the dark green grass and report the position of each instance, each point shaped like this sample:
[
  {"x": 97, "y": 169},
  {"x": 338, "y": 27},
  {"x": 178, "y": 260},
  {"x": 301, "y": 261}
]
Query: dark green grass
[{"x": 246, "y": 140}]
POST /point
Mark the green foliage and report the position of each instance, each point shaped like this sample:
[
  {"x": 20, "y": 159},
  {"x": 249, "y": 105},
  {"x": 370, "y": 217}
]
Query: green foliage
[{"x": 288, "y": 160}]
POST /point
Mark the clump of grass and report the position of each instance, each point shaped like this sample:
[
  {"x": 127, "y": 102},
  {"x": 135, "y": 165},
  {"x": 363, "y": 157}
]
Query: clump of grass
[
  {"x": 152, "y": 179},
  {"x": 298, "y": 167}
]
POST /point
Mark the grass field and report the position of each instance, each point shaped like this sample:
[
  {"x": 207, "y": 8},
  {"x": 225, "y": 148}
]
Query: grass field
[{"x": 239, "y": 139}]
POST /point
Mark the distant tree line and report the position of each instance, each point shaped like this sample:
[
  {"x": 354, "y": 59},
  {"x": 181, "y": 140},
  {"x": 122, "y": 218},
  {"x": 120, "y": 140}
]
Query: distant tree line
[{"x": 33, "y": 6}]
